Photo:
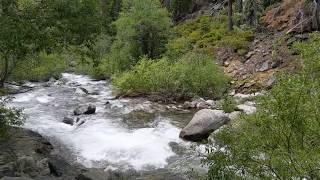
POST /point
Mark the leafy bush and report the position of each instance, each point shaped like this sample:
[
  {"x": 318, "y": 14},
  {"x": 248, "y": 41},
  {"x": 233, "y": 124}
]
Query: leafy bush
[
  {"x": 9, "y": 117},
  {"x": 193, "y": 74},
  {"x": 40, "y": 68},
  {"x": 280, "y": 141}
]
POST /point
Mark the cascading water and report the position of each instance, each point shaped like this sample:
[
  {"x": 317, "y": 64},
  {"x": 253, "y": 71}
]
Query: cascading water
[{"x": 112, "y": 138}]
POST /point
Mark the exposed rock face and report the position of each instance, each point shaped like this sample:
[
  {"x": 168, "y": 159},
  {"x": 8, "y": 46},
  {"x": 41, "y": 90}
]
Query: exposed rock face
[
  {"x": 28, "y": 156},
  {"x": 203, "y": 123},
  {"x": 88, "y": 109},
  {"x": 24, "y": 154},
  {"x": 290, "y": 15}
]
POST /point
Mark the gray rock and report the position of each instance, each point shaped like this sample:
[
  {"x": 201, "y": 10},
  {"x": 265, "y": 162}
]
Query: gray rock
[
  {"x": 15, "y": 178},
  {"x": 88, "y": 109},
  {"x": 249, "y": 54},
  {"x": 234, "y": 115},
  {"x": 81, "y": 91},
  {"x": 68, "y": 120},
  {"x": 247, "y": 108},
  {"x": 203, "y": 123},
  {"x": 24, "y": 154},
  {"x": 264, "y": 67},
  {"x": 91, "y": 109},
  {"x": 93, "y": 175},
  {"x": 60, "y": 167},
  {"x": 199, "y": 104}
]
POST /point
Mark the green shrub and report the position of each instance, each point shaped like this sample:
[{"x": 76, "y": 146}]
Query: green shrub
[
  {"x": 280, "y": 141},
  {"x": 228, "y": 104},
  {"x": 40, "y": 68},
  {"x": 208, "y": 33},
  {"x": 9, "y": 117},
  {"x": 193, "y": 74}
]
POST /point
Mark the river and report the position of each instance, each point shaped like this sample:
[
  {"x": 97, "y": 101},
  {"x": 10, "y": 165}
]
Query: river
[{"x": 123, "y": 134}]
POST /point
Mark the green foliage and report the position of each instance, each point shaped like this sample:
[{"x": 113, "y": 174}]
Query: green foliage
[
  {"x": 88, "y": 59},
  {"x": 30, "y": 27},
  {"x": 9, "y": 117},
  {"x": 228, "y": 104},
  {"x": 193, "y": 74},
  {"x": 179, "y": 8},
  {"x": 143, "y": 28},
  {"x": 280, "y": 141},
  {"x": 206, "y": 33},
  {"x": 40, "y": 68}
]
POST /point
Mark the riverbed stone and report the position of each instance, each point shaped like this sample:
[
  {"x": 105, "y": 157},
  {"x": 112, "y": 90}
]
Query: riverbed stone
[
  {"x": 81, "y": 91},
  {"x": 200, "y": 103},
  {"x": 203, "y": 123},
  {"x": 247, "y": 107},
  {"x": 93, "y": 175},
  {"x": 87, "y": 109}
]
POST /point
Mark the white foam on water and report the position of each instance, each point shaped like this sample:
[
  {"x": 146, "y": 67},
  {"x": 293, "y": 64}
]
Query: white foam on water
[
  {"x": 23, "y": 97},
  {"x": 45, "y": 99},
  {"x": 101, "y": 141}
]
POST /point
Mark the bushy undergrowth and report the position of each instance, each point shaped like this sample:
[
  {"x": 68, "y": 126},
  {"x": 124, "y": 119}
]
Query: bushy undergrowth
[
  {"x": 208, "y": 33},
  {"x": 193, "y": 74},
  {"x": 40, "y": 68},
  {"x": 228, "y": 104},
  {"x": 9, "y": 117},
  {"x": 280, "y": 141}
]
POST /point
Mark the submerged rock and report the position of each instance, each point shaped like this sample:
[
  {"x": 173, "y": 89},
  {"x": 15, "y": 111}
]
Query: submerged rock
[
  {"x": 203, "y": 123},
  {"x": 88, "y": 109}
]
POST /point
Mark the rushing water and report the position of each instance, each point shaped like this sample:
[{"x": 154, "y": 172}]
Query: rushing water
[{"x": 123, "y": 134}]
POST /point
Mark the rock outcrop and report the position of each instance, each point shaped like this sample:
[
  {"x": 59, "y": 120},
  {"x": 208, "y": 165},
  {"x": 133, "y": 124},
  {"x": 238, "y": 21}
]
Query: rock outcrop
[{"x": 203, "y": 123}]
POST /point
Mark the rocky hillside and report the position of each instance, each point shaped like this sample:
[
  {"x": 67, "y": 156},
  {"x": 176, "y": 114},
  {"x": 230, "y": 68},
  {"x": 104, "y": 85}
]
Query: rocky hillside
[{"x": 270, "y": 51}]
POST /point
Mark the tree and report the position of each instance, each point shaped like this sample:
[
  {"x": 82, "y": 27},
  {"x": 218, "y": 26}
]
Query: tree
[
  {"x": 230, "y": 15},
  {"x": 316, "y": 14},
  {"x": 252, "y": 13},
  {"x": 240, "y": 6},
  {"x": 143, "y": 29},
  {"x": 20, "y": 35}
]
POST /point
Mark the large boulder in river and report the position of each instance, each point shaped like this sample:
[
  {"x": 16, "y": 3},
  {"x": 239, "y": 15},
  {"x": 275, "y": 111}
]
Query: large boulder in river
[
  {"x": 88, "y": 109},
  {"x": 203, "y": 123},
  {"x": 68, "y": 120}
]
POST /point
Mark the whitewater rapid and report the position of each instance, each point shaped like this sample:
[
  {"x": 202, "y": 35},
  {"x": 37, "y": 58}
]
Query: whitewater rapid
[{"x": 111, "y": 138}]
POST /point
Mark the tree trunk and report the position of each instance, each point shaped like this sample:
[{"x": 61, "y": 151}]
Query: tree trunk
[
  {"x": 317, "y": 14},
  {"x": 255, "y": 15},
  {"x": 230, "y": 14},
  {"x": 5, "y": 72},
  {"x": 239, "y": 6}
]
